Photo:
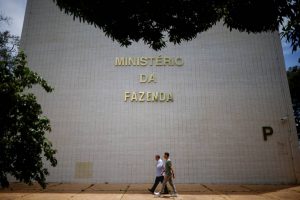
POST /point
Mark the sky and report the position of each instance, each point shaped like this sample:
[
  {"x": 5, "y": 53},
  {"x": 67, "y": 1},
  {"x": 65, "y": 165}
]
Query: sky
[{"x": 15, "y": 9}]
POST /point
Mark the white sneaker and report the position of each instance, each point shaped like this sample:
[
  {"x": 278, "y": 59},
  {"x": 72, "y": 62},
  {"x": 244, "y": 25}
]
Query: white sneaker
[
  {"x": 174, "y": 195},
  {"x": 157, "y": 194}
]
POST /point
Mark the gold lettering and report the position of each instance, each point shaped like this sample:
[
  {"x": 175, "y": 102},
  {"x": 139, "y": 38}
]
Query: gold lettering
[
  {"x": 119, "y": 61},
  {"x": 167, "y": 61},
  {"x": 179, "y": 61},
  {"x": 169, "y": 97},
  {"x": 159, "y": 61},
  {"x": 143, "y": 78},
  {"x": 171, "y": 62},
  {"x": 150, "y": 61},
  {"x": 155, "y": 97},
  {"x": 133, "y": 97},
  {"x": 162, "y": 96},
  {"x": 143, "y": 61},
  {"x": 126, "y": 96},
  {"x": 142, "y": 94},
  {"x": 148, "y": 96},
  {"x": 132, "y": 61},
  {"x": 152, "y": 78}
]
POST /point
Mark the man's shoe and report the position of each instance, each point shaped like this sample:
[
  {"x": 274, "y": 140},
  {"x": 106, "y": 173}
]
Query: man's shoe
[
  {"x": 157, "y": 194},
  {"x": 174, "y": 195},
  {"x": 151, "y": 191}
]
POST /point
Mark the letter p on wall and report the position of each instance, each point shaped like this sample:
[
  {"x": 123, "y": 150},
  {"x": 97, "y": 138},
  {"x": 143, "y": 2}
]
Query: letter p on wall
[{"x": 267, "y": 131}]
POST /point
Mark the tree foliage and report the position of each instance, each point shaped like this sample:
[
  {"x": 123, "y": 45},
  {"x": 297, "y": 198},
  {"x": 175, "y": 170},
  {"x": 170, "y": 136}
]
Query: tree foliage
[
  {"x": 23, "y": 128},
  {"x": 155, "y": 22},
  {"x": 293, "y": 75}
]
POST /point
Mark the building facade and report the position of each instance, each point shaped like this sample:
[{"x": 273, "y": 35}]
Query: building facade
[{"x": 219, "y": 104}]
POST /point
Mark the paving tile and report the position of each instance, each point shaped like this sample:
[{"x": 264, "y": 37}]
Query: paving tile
[
  {"x": 285, "y": 194},
  {"x": 141, "y": 187},
  {"x": 101, "y": 196},
  {"x": 199, "y": 197},
  {"x": 66, "y": 188},
  {"x": 192, "y": 188},
  {"x": 107, "y": 188},
  {"x": 246, "y": 197},
  {"x": 226, "y": 188},
  {"x": 295, "y": 188},
  {"x": 139, "y": 196},
  {"x": 12, "y": 196},
  {"x": 21, "y": 187},
  {"x": 48, "y": 196},
  {"x": 266, "y": 188}
]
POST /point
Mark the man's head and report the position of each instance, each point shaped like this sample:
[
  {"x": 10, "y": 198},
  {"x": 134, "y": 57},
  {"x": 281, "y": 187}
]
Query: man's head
[
  {"x": 166, "y": 155},
  {"x": 157, "y": 157}
]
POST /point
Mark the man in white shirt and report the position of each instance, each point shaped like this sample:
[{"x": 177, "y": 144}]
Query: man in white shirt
[{"x": 159, "y": 175}]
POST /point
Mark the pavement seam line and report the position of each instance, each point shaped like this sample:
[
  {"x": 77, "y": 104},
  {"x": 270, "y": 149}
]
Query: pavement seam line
[
  {"x": 87, "y": 188},
  {"x": 220, "y": 193},
  {"x": 256, "y": 192},
  {"x": 82, "y": 190},
  {"x": 50, "y": 186},
  {"x": 125, "y": 191},
  {"x": 245, "y": 187}
]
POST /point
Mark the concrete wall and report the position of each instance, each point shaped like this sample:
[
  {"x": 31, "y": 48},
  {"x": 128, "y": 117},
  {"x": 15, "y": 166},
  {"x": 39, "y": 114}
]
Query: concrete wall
[{"x": 231, "y": 85}]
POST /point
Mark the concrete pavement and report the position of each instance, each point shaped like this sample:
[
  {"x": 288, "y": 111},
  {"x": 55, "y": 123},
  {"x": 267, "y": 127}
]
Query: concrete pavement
[{"x": 63, "y": 191}]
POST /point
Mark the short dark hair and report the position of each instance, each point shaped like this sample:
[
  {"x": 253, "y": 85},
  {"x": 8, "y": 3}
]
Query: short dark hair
[
  {"x": 158, "y": 156},
  {"x": 167, "y": 154}
]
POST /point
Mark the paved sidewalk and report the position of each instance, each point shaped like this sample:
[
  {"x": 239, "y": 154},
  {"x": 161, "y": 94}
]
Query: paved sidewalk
[{"x": 60, "y": 191}]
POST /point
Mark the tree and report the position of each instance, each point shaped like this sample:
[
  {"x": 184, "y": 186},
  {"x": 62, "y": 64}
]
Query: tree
[
  {"x": 293, "y": 75},
  {"x": 156, "y": 22},
  {"x": 23, "y": 128}
]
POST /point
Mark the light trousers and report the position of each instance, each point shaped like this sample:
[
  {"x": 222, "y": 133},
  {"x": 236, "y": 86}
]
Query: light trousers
[{"x": 166, "y": 180}]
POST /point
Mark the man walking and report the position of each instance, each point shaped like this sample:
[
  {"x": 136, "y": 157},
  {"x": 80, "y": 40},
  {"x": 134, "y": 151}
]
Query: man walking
[
  {"x": 169, "y": 176},
  {"x": 159, "y": 175}
]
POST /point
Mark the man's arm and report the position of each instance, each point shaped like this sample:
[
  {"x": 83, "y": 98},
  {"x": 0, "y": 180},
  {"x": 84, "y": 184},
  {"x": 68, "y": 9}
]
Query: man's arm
[
  {"x": 159, "y": 164},
  {"x": 173, "y": 171}
]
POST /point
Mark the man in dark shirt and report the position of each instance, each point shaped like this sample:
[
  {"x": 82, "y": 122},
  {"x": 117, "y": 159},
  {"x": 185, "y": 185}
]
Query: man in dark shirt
[{"x": 169, "y": 176}]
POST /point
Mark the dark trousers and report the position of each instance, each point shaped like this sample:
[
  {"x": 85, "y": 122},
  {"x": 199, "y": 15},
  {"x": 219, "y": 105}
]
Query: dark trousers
[{"x": 159, "y": 179}]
